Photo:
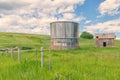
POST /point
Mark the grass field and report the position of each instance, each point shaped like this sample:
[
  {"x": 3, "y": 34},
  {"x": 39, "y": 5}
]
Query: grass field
[{"x": 85, "y": 63}]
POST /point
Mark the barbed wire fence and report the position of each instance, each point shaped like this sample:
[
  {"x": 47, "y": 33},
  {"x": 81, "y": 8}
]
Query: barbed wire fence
[
  {"x": 28, "y": 51},
  {"x": 27, "y": 55}
]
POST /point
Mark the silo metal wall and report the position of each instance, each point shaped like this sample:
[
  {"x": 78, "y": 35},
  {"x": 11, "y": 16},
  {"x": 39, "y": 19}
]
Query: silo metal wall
[{"x": 64, "y": 35}]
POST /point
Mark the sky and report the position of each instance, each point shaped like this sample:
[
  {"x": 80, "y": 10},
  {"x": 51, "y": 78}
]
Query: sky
[{"x": 35, "y": 16}]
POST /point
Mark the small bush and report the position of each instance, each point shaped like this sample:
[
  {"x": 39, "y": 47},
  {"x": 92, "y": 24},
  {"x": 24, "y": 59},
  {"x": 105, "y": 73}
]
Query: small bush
[{"x": 86, "y": 35}]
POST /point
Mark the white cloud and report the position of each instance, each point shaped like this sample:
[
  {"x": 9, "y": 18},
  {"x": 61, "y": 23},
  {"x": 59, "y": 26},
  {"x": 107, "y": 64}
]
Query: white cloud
[
  {"x": 108, "y": 26},
  {"x": 66, "y": 9},
  {"x": 88, "y": 21},
  {"x": 14, "y": 23},
  {"x": 68, "y": 16},
  {"x": 34, "y": 16},
  {"x": 110, "y": 7}
]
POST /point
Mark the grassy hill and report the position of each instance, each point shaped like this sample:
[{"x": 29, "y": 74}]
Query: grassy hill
[
  {"x": 23, "y": 40},
  {"x": 85, "y": 63}
]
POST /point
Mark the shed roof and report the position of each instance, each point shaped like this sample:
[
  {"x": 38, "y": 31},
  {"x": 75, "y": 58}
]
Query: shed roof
[{"x": 105, "y": 35}]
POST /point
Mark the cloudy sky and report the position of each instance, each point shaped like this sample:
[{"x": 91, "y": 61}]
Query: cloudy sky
[{"x": 34, "y": 16}]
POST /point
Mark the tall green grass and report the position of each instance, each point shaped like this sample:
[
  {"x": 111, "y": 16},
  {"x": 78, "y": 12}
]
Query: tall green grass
[{"x": 85, "y": 63}]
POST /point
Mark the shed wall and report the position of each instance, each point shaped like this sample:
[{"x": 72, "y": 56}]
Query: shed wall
[
  {"x": 104, "y": 39},
  {"x": 109, "y": 42}
]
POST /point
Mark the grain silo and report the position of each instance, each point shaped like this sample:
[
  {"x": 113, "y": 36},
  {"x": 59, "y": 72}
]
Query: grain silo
[{"x": 64, "y": 35}]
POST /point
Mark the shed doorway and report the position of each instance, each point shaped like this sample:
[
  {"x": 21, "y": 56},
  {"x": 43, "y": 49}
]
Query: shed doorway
[{"x": 104, "y": 44}]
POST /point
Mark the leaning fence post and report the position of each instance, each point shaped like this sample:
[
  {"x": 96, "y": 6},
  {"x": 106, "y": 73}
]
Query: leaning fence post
[
  {"x": 6, "y": 52},
  {"x": 27, "y": 54},
  {"x": 49, "y": 60},
  {"x": 12, "y": 53},
  {"x": 19, "y": 55},
  {"x": 42, "y": 57},
  {"x": 36, "y": 56}
]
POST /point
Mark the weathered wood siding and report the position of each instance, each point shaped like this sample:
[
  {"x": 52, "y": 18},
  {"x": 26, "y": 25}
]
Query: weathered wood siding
[
  {"x": 108, "y": 39},
  {"x": 64, "y": 35}
]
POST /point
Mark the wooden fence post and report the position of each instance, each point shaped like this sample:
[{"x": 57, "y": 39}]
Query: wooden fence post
[
  {"x": 19, "y": 56},
  {"x": 12, "y": 53},
  {"x": 7, "y": 52},
  {"x": 27, "y": 54},
  {"x": 36, "y": 56},
  {"x": 49, "y": 60},
  {"x": 42, "y": 58}
]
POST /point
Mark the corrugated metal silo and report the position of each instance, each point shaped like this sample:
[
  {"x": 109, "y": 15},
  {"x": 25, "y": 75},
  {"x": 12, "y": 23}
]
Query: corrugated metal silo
[{"x": 64, "y": 35}]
